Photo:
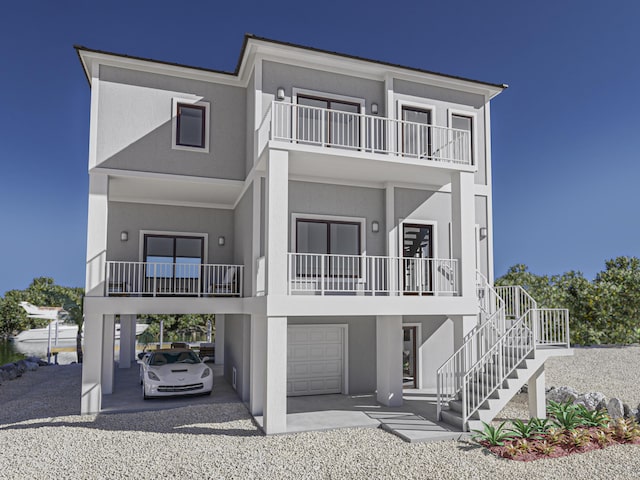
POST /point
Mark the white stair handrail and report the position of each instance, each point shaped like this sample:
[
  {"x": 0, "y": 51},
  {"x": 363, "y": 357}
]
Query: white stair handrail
[{"x": 481, "y": 338}]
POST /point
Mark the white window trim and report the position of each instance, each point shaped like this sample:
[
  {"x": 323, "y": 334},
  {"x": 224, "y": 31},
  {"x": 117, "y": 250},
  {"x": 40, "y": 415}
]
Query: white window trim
[
  {"x": 345, "y": 352},
  {"x": 474, "y": 129},
  {"x": 434, "y": 227},
  {"x": 174, "y": 123},
  {"x": 205, "y": 236},
  {"x": 295, "y": 91},
  {"x": 418, "y": 352},
  {"x": 310, "y": 216}
]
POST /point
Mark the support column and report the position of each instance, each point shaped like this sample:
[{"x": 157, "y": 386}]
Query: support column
[
  {"x": 91, "y": 396},
  {"x": 463, "y": 220},
  {"x": 108, "y": 341},
  {"x": 275, "y": 396},
  {"x": 462, "y": 324},
  {"x": 133, "y": 338},
  {"x": 126, "y": 354},
  {"x": 257, "y": 370},
  {"x": 219, "y": 339},
  {"x": 277, "y": 222},
  {"x": 97, "y": 234},
  {"x": 537, "y": 397},
  {"x": 389, "y": 360},
  {"x": 392, "y": 238}
]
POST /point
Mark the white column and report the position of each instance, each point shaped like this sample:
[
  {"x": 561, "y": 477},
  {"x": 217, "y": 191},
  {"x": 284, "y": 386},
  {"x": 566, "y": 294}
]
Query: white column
[
  {"x": 91, "y": 396},
  {"x": 97, "y": 234},
  {"x": 537, "y": 397},
  {"x": 463, "y": 229},
  {"x": 255, "y": 237},
  {"x": 462, "y": 324},
  {"x": 108, "y": 342},
  {"x": 219, "y": 339},
  {"x": 275, "y": 396},
  {"x": 133, "y": 337},
  {"x": 392, "y": 237},
  {"x": 126, "y": 355},
  {"x": 277, "y": 221},
  {"x": 257, "y": 370},
  {"x": 389, "y": 360}
]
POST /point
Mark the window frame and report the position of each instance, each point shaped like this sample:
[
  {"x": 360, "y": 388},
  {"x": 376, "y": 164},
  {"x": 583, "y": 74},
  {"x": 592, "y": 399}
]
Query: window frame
[
  {"x": 451, "y": 112},
  {"x": 174, "y": 237},
  {"x": 328, "y": 220},
  {"x": 177, "y": 102}
]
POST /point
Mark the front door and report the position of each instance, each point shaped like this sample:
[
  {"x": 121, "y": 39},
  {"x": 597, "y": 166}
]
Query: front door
[
  {"x": 417, "y": 248},
  {"x": 409, "y": 363}
]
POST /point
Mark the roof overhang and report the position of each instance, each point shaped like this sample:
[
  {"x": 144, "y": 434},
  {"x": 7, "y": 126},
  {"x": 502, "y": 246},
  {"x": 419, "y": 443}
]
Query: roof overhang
[{"x": 255, "y": 47}]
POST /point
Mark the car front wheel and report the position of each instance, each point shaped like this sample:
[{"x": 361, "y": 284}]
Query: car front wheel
[{"x": 144, "y": 392}]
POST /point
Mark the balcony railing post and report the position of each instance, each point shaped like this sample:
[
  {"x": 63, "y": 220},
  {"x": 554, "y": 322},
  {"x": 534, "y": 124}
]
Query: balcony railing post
[{"x": 322, "y": 273}]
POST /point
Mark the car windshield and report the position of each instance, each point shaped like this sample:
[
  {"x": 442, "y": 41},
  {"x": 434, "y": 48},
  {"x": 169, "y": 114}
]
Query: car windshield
[{"x": 165, "y": 358}]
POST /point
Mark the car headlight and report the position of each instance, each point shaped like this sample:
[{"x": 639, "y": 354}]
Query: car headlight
[
  {"x": 153, "y": 376},
  {"x": 206, "y": 373}
]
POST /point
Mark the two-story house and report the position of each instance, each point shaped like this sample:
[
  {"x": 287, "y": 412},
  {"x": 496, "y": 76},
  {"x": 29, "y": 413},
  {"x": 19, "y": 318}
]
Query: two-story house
[{"x": 333, "y": 212}]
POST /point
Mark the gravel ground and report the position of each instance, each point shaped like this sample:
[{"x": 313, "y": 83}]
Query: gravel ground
[{"x": 42, "y": 437}]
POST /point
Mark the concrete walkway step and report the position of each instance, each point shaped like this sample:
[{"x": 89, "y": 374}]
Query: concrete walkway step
[{"x": 414, "y": 428}]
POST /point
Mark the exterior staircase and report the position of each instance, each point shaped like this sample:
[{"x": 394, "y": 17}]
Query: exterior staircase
[{"x": 511, "y": 342}]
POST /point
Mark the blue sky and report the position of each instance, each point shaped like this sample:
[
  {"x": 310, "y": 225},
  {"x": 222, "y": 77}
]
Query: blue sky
[{"x": 565, "y": 134}]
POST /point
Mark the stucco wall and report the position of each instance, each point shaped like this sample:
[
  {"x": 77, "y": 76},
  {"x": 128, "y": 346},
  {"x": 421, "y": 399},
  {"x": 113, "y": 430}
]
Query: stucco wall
[
  {"x": 135, "y": 132},
  {"x": 361, "y": 348},
  {"x": 134, "y": 217},
  {"x": 338, "y": 200},
  {"x": 424, "y": 205},
  {"x": 481, "y": 221},
  {"x": 243, "y": 238},
  {"x": 436, "y": 345},
  {"x": 275, "y": 75},
  {"x": 235, "y": 354}
]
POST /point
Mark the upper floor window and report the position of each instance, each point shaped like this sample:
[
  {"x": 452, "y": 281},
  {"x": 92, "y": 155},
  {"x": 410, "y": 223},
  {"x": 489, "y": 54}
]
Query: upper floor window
[
  {"x": 464, "y": 144},
  {"x": 190, "y": 125}
]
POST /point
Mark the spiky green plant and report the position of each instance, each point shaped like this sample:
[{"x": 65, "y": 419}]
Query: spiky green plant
[
  {"x": 493, "y": 435},
  {"x": 524, "y": 430},
  {"x": 592, "y": 418},
  {"x": 567, "y": 419},
  {"x": 542, "y": 425}
]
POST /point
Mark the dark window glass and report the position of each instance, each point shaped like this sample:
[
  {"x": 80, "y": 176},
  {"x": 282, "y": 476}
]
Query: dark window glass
[{"x": 191, "y": 126}]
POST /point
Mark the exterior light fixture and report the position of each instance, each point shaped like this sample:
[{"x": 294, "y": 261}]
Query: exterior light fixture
[
  {"x": 221, "y": 241},
  {"x": 280, "y": 93},
  {"x": 374, "y": 108},
  {"x": 124, "y": 236},
  {"x": 483, "y": 232},
  {"x": 375, "y": 226}
]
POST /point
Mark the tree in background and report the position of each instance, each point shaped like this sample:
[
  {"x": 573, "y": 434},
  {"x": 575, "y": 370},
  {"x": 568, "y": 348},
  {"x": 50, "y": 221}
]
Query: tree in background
[{"x": 604, "y": 311}]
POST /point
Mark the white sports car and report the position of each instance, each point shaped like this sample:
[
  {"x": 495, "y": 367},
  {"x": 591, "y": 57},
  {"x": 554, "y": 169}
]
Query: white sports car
[{"x": 175, "y": 371}]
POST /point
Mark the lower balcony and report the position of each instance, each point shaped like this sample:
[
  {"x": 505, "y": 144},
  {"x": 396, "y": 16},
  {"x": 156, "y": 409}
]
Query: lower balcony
[
  {"x": 326, "y": 274},
  {"x": 151, "y": 279}
]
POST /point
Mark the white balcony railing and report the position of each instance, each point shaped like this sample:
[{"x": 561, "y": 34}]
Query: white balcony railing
[
  {"x": 324, "y": 274},
  {"x": 353, "y": 131},
  {"x": 176, "y": 279}
]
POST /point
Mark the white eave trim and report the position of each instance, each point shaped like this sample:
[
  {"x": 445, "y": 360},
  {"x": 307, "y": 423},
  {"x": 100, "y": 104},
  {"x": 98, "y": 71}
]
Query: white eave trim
[
  {"x": 115, "y": 172},
  {"x": 88, "y": 57}
]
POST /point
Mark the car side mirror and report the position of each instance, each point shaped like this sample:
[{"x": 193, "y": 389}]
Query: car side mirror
[{"x": 205, "y": 359}]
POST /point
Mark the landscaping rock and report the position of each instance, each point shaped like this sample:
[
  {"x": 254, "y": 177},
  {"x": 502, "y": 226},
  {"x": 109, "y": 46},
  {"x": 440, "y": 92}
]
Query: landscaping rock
[
  {"x": 615, "y": 407},
  {"x": 592, "y": 400},
  {"x": 11, "y": 371},
  {"x": 31, "y": 366},
  {"x": 21, "y": 367},
  {"x": 561, "y": 395}
]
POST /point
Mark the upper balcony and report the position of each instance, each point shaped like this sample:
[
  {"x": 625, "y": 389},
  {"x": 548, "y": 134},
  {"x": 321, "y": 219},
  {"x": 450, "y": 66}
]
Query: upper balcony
[{"x": 338, "y": 133}]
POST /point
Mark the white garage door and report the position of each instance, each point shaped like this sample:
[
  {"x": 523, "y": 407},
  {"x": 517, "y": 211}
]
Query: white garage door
[{"x": 315, "y": 359}]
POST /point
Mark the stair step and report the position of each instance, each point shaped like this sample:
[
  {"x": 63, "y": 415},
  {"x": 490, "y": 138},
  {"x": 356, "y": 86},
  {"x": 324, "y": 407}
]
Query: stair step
[{"x": 452, "y": 418}]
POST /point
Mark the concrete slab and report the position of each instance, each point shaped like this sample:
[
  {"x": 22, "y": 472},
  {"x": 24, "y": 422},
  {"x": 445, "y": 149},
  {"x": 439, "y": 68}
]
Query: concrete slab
[
  {"x": 414, "y": 421},
  {"x": 127, "y": 393}
]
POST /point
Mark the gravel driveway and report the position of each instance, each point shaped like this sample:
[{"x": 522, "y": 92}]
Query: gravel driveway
[{"x": 42, "y": 437}]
